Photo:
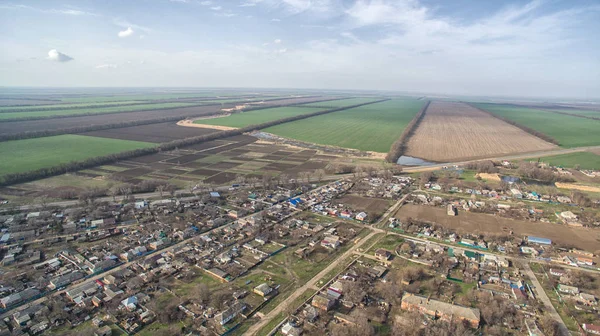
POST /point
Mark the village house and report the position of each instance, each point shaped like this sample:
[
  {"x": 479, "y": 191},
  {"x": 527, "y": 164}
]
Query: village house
[
  {"x": 383, "y": 254},
  {"x": 568, "y": 289},
  {"x": 323, "y": 302}
]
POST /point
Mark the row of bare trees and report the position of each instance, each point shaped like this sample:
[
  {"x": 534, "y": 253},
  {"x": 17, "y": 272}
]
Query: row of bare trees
[
  {"x": 399, "y": 146},
  {"x": 102, "y": 160}
]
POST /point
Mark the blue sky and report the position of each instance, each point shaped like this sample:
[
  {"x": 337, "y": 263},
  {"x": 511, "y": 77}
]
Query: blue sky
[{"x": 543, "y": 48}]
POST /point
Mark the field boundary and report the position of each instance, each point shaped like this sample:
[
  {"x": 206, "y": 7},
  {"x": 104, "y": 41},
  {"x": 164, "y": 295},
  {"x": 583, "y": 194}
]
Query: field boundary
[
  {"x": 33, "y": 175},
  {"x": 529, "y": 130},
  {"x": 399, "y": 146}
]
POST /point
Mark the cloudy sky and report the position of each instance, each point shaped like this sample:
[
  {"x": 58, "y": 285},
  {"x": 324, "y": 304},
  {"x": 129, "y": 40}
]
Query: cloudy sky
[{"x": 539, "y": 48}]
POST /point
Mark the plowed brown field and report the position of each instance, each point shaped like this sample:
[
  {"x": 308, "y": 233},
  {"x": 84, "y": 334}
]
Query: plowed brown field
[{"x": 456, "y": 131}]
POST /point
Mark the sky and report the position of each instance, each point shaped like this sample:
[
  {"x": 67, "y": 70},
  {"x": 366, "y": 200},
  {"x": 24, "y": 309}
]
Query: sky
[{"x": 538, "y": 48}]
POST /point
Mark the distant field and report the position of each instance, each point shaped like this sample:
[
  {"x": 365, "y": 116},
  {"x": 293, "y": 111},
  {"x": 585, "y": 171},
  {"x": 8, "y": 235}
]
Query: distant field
[
  {"x": 116, "y": 109},
  {"x": 31, "y": 154},
  {"x": 158, "y": 96},
  {"x": 369, "y": 128},
  {"x": 342, "y": 102},
  {"x": 585, "y": 160},
  {"x": 257, "y": 117},
  {"x": 567, "y": 130},
  {"x": 62, "y": 105}
]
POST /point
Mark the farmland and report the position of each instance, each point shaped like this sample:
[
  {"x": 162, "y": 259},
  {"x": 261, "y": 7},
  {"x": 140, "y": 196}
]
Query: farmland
[
  {"x": 157, "y": 133},
  {"x": 369, "y": 128},
  {"x": 59, "y": 105},
  {"x": 454, "y": 131},
  {"x": 112, "y": 109},
  {"x": 243, "y": 119},
  {"x": 15, "y": 127},
  {"x": 477, "y": 223},
  {"x": 569, "y": 131},
  {"x": 341, "y": 102},
  {"x": 585, "y": 160},
  {"x": 32, "y": 154}
]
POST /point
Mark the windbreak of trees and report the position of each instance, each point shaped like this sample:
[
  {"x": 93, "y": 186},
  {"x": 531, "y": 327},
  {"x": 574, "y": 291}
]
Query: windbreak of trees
[
  {"x": 60, "y": 116},
  {"x": 523, "y": 127},
  {"x": 107, "y": 159},
  {"x": 399, "y": 146}
]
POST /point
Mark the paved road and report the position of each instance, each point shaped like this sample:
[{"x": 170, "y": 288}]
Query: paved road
[
  {"x": 541, "y": 295},
  {"x": 310, "y": 284}
]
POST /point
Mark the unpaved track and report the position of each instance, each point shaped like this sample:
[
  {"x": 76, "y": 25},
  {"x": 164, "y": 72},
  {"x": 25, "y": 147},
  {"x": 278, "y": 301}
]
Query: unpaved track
[
  {"x": 309, "y": 285},
  {"x": 453, "y": 131},
  {"x": 541, "y": 295}
]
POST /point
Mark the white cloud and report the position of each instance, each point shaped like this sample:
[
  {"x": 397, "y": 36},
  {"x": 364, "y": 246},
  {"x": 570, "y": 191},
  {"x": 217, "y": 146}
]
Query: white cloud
[
  {"x": 206, "y": 3},
  {"x": 180, "y": 1},
  {"x": 126, "y": 24},
  {"x": 106, "y": 66},
  {"x": 248, "y": 4},
  {"x": 142, "y": 37},
  {"x": 126, "y": 33},
  {"x": 281, "y": 51},
  {"x": 276, "y": 20},
  {"x": 216, "y": 8},
  {"x": 64, "y": 11},
  {"x": 55, "y": 55},
  {"x": 277, "y": 41}
]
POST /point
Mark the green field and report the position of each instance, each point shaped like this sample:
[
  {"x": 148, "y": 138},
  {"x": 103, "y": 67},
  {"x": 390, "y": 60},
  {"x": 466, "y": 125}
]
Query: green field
[
  {"x": 586, "y": 113},
  {"x": 31, "y": 154},
  {"x": 369, "y": 128},
  {"x": 114, "y": 109},
  {"x": 342, "y": 102},
  {"x": 567, "y": 130},
  {"x": 585, "y": 160},
  {"x": 257, "y": 117}
]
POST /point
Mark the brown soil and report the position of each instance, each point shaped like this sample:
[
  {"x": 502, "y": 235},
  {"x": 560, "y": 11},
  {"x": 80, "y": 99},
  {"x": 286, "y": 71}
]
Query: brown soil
[
  {"x": 456, "y": 131},
  {"x": 475, "y": 223}
]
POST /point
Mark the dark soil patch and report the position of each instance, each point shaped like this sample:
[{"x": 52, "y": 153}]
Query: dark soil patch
[
  {"x": 203, "y": 172},
  {"x": 186, "y": 158},
  {"x": 163, "y": 132},
  {"x": 151, "y": 158},
  {"x": 312, "y": 165},
  {"x": 224, "y": 165},
  {"x": 221, "y": 178},
  {"x": 324, "y": 157},
  {"x": 159, "y": 177},
  {"x": 283, "y": 153},
  {"x": 273, "y": 157},
  {"x": 187, "y": 178},
  {"x": 241, "y": 158},
  {"x": 174, "y": 171},
  {"x": 205, "y": 145},
  {"x": 280, "y": 166},
  {"x": 160, "y": 166}
]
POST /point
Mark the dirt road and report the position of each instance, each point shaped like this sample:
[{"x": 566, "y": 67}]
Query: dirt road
[
  {"x": 310, "y": 284},
  {"x": 541, "y": 295}
]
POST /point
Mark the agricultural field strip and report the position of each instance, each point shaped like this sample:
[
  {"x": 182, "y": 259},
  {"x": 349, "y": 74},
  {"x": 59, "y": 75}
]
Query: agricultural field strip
[
  {"x": 569, "y": 131},
  {"x": 372, "y": 127},
  {"x": 87, "y": 111},
  {"x": 340, "y": 102},
  {"x": 451, "y": 131},
  {"x": 31, "y": 154},
  {"x": 254, "y": 117},
  {"x": 586, "y": 160}
]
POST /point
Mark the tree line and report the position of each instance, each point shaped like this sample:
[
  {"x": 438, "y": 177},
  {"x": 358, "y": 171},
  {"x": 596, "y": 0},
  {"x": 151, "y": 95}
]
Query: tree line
[
  {"x": 90, "y": 128},
  {"x": 399, "y": 146},
  {"x": 522, "y": 127},
  {"x": 86, "y": 114},
  {"x": 73, "y": 166}
]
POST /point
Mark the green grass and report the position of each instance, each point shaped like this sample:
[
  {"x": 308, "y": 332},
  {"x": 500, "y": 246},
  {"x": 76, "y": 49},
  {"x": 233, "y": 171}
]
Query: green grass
[
  {"x": 31, "y": 154},
  {"x": 272, "y": 324},
  {"x": 585, "y": 160},
  {"x": 114, "y": 109},
  {"x": 389, "y": 242},
  {"x": 569, "y": 131},
  {"x": 369, "y": 128},
  {"x": 342, "y": 102},
  {"x": 257, "y": 117}
]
